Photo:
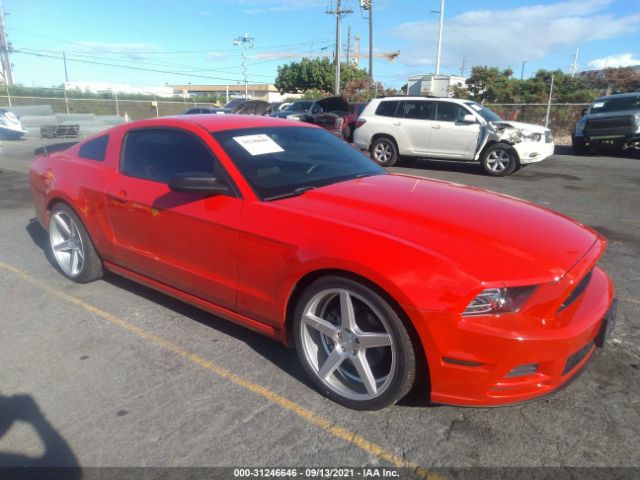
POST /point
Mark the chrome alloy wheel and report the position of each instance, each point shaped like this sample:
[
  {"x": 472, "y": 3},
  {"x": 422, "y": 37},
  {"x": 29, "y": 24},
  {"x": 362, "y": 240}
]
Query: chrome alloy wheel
[
  {"x": 382, "y": 152},
  {"x": 347, "y": 343},
  {"x": 66, "y": 243},
  {"x": 499, "y": 160}
]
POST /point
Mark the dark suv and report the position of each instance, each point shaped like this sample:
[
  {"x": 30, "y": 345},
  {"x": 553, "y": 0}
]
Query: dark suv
[{"x": 612, "y": 121}]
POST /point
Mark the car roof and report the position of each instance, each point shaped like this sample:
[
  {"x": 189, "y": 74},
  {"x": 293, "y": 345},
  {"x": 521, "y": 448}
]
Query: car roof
[
  {"x": 226, "y": 122},
  {"x": 417, "y": 97},
  {"x": 618, "y": 95}
]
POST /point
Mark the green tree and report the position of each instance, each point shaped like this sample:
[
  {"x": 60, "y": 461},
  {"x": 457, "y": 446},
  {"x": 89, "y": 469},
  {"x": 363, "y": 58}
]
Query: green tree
[{"x": 318, "y": 74}]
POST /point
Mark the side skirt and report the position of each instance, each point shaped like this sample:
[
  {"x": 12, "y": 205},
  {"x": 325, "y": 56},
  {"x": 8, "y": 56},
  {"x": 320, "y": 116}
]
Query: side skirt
[{"x": 267, "y": 330}]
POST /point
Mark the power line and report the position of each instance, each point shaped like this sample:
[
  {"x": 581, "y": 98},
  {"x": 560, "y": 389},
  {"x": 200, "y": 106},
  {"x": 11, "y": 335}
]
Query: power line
[{"x": 130, "y": 67}]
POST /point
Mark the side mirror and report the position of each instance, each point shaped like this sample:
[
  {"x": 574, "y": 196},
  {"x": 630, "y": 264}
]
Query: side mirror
[
  {"x": 468, "y": 118},
  {"x": 198, "y": 182},
  {"x": 584, "y": 111}
]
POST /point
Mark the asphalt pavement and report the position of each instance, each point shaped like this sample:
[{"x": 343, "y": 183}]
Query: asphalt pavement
[{"x": 114, "y": 374}]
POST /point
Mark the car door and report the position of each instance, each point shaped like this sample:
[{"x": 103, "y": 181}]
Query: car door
[
  {"x": 417, "y": 121},
  {"x": 451, "y": 137},
  {"x": 185, "y": 240}
]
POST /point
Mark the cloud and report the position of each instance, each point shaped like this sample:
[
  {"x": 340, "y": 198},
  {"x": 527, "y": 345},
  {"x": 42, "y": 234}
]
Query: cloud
[
  {"x": 132, "y": 51},
  {"x": 620, "y": 60},
  {"x": 509, "y": 36},
  {"x": 259, "y": 7}
]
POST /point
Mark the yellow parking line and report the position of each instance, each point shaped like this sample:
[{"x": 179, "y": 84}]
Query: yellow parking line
[
  {"x": 321, "y": 422},
  {"x": 630, "y": 300},
  {"x": 13, "y": 170}
]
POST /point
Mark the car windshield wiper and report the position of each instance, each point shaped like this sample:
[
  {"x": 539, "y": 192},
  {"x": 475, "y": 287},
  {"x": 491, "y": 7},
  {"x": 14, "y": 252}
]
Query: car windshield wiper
[{"x": 294, "y": 193}]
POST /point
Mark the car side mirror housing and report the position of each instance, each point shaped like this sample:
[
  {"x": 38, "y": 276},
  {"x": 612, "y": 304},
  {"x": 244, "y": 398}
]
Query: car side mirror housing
[
  {"x": 198, "y": 182},
  {"x": 584, "y": 111},
  {"x": 468, "y": 118}
]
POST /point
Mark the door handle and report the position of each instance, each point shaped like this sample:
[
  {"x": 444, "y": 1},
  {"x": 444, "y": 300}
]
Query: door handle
[
  {"x": 435, "y": 126},
  {"x": 396, "y": 124}
]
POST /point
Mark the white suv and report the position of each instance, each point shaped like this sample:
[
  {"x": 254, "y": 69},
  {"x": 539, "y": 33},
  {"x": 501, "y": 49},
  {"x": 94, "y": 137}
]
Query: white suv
[{"x": 448, "y": 129}]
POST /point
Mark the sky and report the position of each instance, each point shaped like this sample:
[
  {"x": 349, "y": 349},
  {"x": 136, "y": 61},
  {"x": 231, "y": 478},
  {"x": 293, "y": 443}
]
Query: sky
[{"x": 160, "y": 42}]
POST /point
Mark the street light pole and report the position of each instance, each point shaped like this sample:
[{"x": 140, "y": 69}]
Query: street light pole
[{"x": 439, "y": 51}]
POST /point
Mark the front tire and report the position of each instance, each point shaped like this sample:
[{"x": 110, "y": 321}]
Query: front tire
[
  {"x": 71, "y": 246},
  {"x": 499, "y": 160},
  {"x": 384, "y": 151},
  {"x": 578, "y": 146},
  {"x": 353, "y": 345}
]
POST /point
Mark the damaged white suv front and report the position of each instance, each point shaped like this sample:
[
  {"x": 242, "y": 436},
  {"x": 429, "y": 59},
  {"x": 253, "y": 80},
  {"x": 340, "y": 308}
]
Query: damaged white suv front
[
  {"x": 449, "y": 129},
  {"x": 530, "y": 143}
]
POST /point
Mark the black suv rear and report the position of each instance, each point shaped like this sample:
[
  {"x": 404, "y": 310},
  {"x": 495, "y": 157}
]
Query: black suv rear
[{"x": 612, "y": 121}]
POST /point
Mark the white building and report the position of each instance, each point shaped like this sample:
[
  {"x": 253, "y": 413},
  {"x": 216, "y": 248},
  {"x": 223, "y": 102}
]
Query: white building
[
  {"x": 430, "y": 85},
  {"x": 99, "y": 87}
]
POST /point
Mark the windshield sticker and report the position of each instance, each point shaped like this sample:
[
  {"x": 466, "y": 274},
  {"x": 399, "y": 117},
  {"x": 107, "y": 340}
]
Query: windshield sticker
[
  {"x": 598, "y": 105},
  {"x": 258, "y": 144}
]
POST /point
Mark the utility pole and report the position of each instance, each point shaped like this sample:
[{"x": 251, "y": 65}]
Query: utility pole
[
  {"x": 368, "y": 6},
  {"x": 64, "y": 60},
  {"x": 338, "y": 12},
  {"x": 524, "y": 62},
  {"x": 546, "y": 118},
  {"x": 440, "y": 29},
  {"x": 462, "y": 67},
  {"x": 245, "y": 42},
  {"x": 356, "y": 50},
  {"x": 575, "y": 63},
  {"x": 348, "y": 44},
  {"x": 5, "y": 62}
]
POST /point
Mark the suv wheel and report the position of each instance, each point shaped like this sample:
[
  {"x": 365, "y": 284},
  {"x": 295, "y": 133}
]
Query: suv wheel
[
  {"x": 499, "y": 160},
  {"x": 384, "y": 151}
]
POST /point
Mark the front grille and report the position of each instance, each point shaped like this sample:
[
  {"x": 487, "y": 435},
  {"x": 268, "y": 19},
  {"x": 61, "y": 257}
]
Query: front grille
[
  {"x": 621, "y": 125},
  {"x": 576, "y": 358},
  {"x": 573, "y": 296}
]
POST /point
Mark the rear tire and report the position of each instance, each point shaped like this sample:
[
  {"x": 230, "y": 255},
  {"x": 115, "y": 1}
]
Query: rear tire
[
  {"x": 499, "y": 160},
  {"x": 384, "y": 151},
  {"x": 71, "y": 246},
  {"x": 353, "y": 345}
]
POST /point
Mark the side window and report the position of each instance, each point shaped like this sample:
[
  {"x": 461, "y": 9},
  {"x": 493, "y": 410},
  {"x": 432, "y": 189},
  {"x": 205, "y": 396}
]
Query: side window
[
  {"x": 95, "y": 149},
  {"x": 157, "y": 155},
  {"x": 419, "y": 109},
  {"x": 450, "y": 112},
  {"x": 387, "y": 109}
]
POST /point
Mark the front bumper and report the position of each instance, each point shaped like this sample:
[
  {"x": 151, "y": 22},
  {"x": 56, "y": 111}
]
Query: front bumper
[
  {"x": 487, "y": 361},
  {"x": 531, "y": 152}
]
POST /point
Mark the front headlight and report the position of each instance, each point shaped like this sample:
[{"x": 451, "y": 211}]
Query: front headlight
[
  {"x": 637, "y": 115},
  {"x": 499, "y": 300},
  {"x": 294, "y": 117}
]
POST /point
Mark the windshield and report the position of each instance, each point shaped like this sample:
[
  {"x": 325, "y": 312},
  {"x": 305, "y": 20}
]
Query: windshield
[
  {"x": 616, "y": 104},
  {"x": 235, "y": 102},
  {"x": 299, "y": 106},
  {"x": 281, "y": 161},
  {"x": 486, "y": 113}
]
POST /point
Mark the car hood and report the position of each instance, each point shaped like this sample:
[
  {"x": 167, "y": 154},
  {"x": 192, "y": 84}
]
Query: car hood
[
  {"x": 525, "y": 128},
  {"x": 493, "y": 237}
]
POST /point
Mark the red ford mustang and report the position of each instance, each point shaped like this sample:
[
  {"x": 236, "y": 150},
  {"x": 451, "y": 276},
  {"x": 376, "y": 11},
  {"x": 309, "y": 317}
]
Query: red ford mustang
[{"x": 378, "y": 280}]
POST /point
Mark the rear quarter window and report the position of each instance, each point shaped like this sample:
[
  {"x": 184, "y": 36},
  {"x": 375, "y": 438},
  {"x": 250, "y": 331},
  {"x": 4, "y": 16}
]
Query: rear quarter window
[
  {"x": 94, "y": 149},
  {"x": 387, "y": 109}
]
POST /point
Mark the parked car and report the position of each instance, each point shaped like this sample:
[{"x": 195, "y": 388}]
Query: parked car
[
  {"x": 449, "y": 129},
  {"x": 201, "y": 110},
  {"x": 252, "y": 107},
  {"x": 331, "y": 113},
  {"x": 611, "y": 121},
  {"x": 10, "y": 126},
  {"x": 378, "y": 280}
]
